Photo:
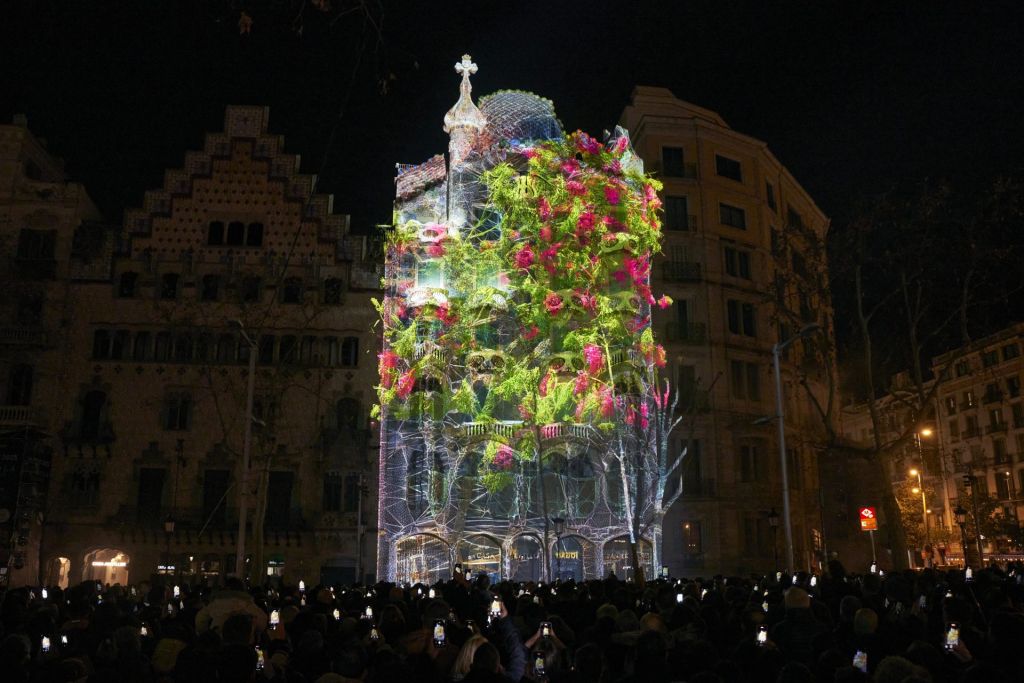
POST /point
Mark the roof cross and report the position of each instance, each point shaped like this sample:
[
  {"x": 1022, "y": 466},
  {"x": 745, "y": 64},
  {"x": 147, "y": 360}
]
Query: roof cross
[{"x": 466, "y": 68}]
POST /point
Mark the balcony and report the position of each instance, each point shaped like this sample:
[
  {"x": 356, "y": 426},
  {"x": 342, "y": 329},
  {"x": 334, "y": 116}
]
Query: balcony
[
  {"x": 971, "y": 433},
  {"x": 20, "y": 335},
  {"x": 686, "y": 333},
  {"x": 20, "y": 416},
  {"x": 996, "y": 428},
  {"x": 992, "y": 397},
  {"x": 968, "y": 405},
  {"x": 680, "y": 271}
]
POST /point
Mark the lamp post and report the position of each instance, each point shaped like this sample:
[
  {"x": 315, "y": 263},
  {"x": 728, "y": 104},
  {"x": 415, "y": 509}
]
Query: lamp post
[
  {"x": 924, "y": 513},
  {"x": 773, "y": 522},
  {"x": 961, "y": 521},
  {"x": 777, "y": 350},
  {"x": 243, "y": 493},
  {"x": 559, "y": 528}
]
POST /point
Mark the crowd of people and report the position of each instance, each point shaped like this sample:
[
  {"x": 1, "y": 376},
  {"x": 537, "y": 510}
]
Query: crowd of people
[{"x": 910, "y": 627}]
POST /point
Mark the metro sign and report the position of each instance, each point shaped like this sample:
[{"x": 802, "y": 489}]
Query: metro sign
[{"x": 868, "y": 519}]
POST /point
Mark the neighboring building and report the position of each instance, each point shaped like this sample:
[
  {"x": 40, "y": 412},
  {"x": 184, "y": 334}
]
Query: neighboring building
[
  {"x": 981, "y": 431},
  {"x": 150, "y": 419},
  {"x": 744, "y": 260},
  {"x": 41, "y": 214}
]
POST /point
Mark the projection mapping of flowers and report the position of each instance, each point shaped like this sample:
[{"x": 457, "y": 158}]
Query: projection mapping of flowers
[{"x": 518, "y": 378}]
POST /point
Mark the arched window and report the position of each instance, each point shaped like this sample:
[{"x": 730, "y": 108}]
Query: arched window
[
  {"x": 236, "y": 234},
  {"x": 350, "y": 352},
  {"x": 126, "y": 285},
  {"x": 215, "y": 233},
  {"x": 141, "y": 349},
  {"x": 292, "y": 292},
  {"x": 333, "y": 289},
  {"x": 19, "y": 385},
  {"x": 347, "y": 413},
  {"x": 254, "y": 235},
  {"x": 169, "y": 286},
  {"x": 101, "y": 344},
  {"x": 93, "y": 404}
]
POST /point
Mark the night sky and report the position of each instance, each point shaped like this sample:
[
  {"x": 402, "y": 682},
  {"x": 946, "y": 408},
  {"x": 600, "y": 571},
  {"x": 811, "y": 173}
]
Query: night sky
[{"x": 852, "y": 96}]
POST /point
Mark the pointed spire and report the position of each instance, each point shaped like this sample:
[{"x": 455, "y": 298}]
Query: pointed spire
[{"x": 464, "y": 114}]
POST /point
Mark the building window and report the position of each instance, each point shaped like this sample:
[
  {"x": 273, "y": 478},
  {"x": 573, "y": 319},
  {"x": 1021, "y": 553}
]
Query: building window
[
  {"x": 756, "y": 537},
  {"x": 279, "y": 499},
  {"x": 971, "y": 426},
  {"x": 728, "y": 168},
  {"x": 347, "y": 414},
  {"x": 954, "y": 429},
  {"x": 677, "y": 213},
  {"x": 203, "y": 347},
  {"x": 989, "y": 358},
  {"x": 992, "y": 393},
  {"x": 226, "y": 348},
  {"x": 429, "y": 274},
  {"x": 254, "y": 235},
  {"x": 236, "y": 234},
  {"x": 1013, "y": 386},
  {"x": 737, "y": 262},
  {"x": 177, "y": 411},
  {"x": 745, "y": 380},
  {"x": 266, "y": 349},
  {"x": 794, "y": 219},
  {"x": 742, "y": 318},
  {"x": 1003, "y": 485},
  {"x": 215, "y": 233},
  {"x": 332, "y": 291},
  {"x": 101, "y": 344},
  {"x": 350, "y": 352},
  {"x": 251, "y": 286},
  {"x": 126, "y": 285},
  {"x": 999, "y": 452},
  {"x": 94, "y": 406},
  {"x": 151, "y": 492},
  {"x": 141, "y": 349},
  {"x": 969, "y": 400},
  {"x": 332, "y": 492},
  {"x": 951, "y": 405},
  {"x": 672, "y": 162},
  {"x": 288, "y": 350},
  {"x": 19, "y": 385},
  {"x": 211, "y": 288},
  {"x": 292, "y": 292},
  {"x": 995, "y": 419},
  {"x": 307, "y": 350},
  {"x": 351, "y": 493},
  {"x": 215, "y": 491},
  {"x": 769, "y": 193},
  {"x": 120, "y": 345},
  {"x": 36, "y": 245},
  {"x": 162, "y": 350},
  {"x": 732, "y": 216},
  {"x": 962, "y": 368},
  {"x": 1011, "y": 351},
  {"x": 749, "y": 463},
  {"x": 169, "y": 286}
]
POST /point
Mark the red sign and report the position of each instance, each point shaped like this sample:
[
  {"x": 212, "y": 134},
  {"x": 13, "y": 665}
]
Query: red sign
[{"x": 868, "y": 520}]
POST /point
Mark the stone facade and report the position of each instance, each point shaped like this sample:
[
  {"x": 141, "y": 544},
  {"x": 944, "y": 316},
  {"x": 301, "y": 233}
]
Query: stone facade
[{"x": 744, "y": 260}]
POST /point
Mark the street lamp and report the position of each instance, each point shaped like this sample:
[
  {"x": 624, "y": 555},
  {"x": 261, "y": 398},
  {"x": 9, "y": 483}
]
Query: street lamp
[
  {"x": 559, "y": 528},
  {"x": 961, "y": 521},
  {"x": 924, "y": 512},
  {"x": 773, "y": 522},
  {"x": 243, "y": 494},
  {"x": 777, "y": 349}
]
